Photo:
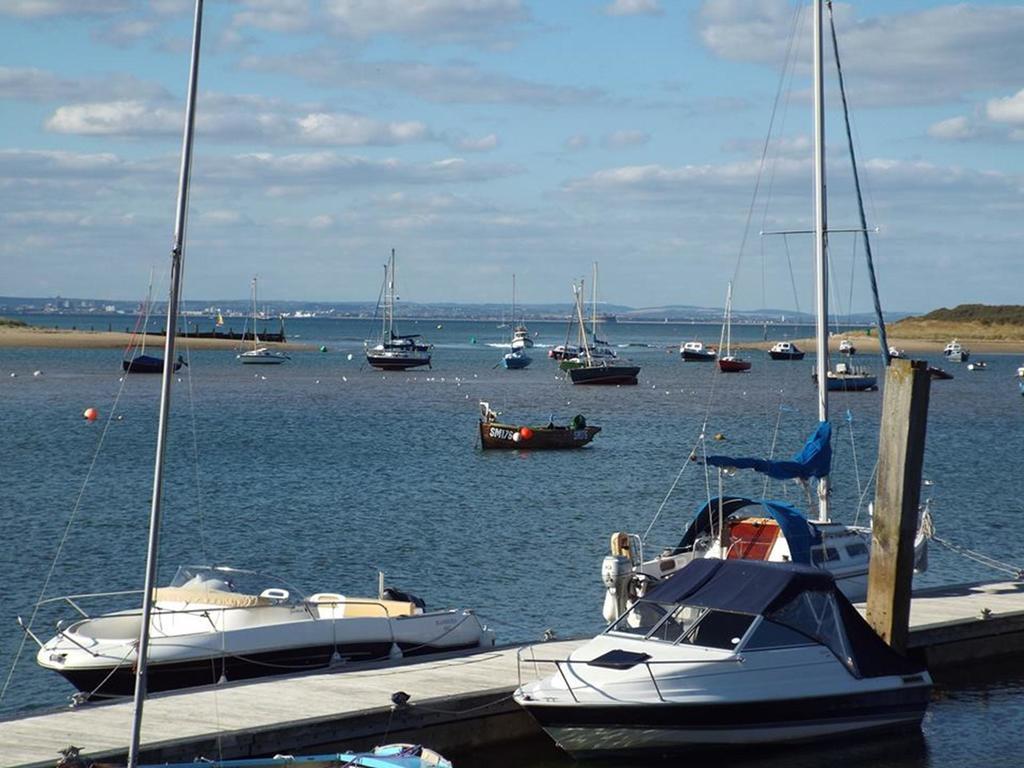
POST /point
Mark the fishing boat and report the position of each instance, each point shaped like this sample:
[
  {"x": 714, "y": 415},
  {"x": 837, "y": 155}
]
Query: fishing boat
[
  {"x": 214, "y": 623},
  {"x": 597, "y": 363},
  {"x": 846, "y": 347},
  {"x": 135, "y": 359},
  {"x": 696, "y": 352},
  {"x": 955, "y": 352},
  {"x": 495, "y": 434},
  {"x": 726, "y": 652},
  {"x": 730, "y": 363},
  {"x": 518, "y": 359},
  {"x": 393, "y": 351},
  {"x": 260, "y": 354},
  {"x": 734, "y": 527},
  {"x": 785, "y": 350}
]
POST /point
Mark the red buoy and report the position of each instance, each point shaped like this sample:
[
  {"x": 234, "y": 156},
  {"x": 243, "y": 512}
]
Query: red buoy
[
  {"x": 91, "y": 414},
  {"x": 526, "y": 433}
]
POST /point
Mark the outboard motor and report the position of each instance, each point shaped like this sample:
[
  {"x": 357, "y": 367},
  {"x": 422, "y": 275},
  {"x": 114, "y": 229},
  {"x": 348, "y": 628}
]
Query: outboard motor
[{"x": 616, "y": 572}]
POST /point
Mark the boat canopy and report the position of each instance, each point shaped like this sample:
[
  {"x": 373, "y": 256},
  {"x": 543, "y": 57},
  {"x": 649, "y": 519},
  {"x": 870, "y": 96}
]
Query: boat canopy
[
  {"x": 800, "y": 534},
  {"x": 799, "y": 597},
  {"x": 814, "y": 460}
]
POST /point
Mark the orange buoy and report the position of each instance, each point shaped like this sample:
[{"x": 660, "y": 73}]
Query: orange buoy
[
  {"x": 91, "y": 414},
  {"x": 526, "y": 433}
]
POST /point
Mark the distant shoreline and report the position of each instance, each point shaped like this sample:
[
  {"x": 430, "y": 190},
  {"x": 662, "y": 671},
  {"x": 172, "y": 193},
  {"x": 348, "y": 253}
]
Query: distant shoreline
[{"x": 50, "y": 338}]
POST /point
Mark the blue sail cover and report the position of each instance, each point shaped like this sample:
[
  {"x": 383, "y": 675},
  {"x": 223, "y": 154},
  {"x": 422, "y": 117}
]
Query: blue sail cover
[{"x": 814, "y": 460}]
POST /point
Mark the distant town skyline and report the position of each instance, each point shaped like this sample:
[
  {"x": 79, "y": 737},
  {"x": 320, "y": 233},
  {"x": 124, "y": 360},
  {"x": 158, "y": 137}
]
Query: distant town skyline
[{"x": 496, "y": 137}]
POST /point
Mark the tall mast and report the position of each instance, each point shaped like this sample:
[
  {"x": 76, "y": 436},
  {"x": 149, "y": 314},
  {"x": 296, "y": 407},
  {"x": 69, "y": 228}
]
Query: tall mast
[
  {"x": 255, "y": 338},
  {"x": 593, "y": 306},
  {"x": 514, "y": 324},
  {"x": 177, "y": 258},
  {"x": 820, "y": 243}
]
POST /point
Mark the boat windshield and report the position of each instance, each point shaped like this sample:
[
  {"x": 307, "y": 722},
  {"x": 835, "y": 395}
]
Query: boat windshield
[
  {"x": 224, "y": 579},
  {"x": 684, "y": 624}
]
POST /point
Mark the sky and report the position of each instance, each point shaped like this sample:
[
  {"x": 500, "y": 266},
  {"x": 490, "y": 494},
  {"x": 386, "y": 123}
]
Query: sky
[{"x": 482, "y": 138}]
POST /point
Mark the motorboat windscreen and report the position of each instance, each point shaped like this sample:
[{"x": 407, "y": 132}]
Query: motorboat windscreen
[
  {"x": 220, "y": 578},
  {"x": 801, "y": 599}
]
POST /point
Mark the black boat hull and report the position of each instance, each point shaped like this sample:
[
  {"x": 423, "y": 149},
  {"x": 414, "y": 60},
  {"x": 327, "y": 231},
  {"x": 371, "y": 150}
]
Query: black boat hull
[
  {"x": 146, "y": 364},
  {"x": 591, "y": 731},
  {"x": 787, "y": 355},
  {"x": 698, "y": 357},
  {"x": 608, "y": 375},
  {"x": 396, "y": 364}
]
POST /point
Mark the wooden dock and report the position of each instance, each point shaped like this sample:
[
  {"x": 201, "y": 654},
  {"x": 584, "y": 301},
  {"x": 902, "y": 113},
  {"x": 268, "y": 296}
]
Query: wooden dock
[{"x": 456, "y": 703}]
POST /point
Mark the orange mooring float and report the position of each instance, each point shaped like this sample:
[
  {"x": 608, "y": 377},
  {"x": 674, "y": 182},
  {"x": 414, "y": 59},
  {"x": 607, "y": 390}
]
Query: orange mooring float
[{"x": 91, "y": 414}]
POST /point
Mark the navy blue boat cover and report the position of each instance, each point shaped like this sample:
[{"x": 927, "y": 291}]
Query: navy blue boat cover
[
  {"x": 800, "y": 535},
  {"x": 814, "y": 460},
  {"x": 783, "y": 592}
]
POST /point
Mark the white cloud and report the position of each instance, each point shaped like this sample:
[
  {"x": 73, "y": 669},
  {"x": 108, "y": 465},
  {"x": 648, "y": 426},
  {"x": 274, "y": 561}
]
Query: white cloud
[
  {"x": 113, "y": 118},
  {"x": 481, "y": 144},
  {"x": 32, "y": 84},
  {"x": 577, "y": 142},
  {"x": 626, "y": 138},
  {"x": 953, "y": 129},
  {"x": 41, "y": 9},
  {"x": 633, "y": 8},
  {"x": 274, "y": 15},
  {"x": 453, "y": 82},
  {"x": 128, "y": 32},
  {"x": 1007, "y": 110},
  {"x": 351, "y": 130},
  {"x": 437, "y": 21},
  {"x": 922, "y": 57},
  {"x": 228, "y": 118},
  {"x": 224, "y": 217}
]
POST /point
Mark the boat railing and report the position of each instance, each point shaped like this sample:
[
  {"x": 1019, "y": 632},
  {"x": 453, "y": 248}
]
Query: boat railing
[{"x": 561, "y": 665}]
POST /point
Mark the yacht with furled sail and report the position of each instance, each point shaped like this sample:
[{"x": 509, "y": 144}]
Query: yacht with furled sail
[
  {"x": 733, "y": 527},
  {"x": 135, "y": 359},
  {"x": 730, "y": 363},
  {"x": 393, "y": 351},
  {"x": 260, "y": 354},
  {"x": 597, "y": 363}
]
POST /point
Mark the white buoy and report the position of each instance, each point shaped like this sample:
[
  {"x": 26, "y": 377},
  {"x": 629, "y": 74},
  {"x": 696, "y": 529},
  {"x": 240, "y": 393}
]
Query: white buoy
[
  {"x": 14, "y": 375},
  {"x": 349, "y": 356},
  {"x": 37, "y": 373},
  {"x": 343, "y": 378}
]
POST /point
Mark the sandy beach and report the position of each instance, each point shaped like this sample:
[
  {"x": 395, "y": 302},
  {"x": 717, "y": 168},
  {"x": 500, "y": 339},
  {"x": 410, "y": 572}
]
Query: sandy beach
[
  {"x": 32, "y": 336},
  {"x": 868, "y": 345}
]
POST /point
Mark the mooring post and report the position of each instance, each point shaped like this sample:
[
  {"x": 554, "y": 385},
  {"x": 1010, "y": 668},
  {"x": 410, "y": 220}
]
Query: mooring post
[{"x": 897, "y": 493}]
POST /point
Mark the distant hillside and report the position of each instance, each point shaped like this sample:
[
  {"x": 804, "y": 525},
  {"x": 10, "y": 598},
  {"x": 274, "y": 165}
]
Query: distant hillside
[
  {"x": 998, "y": 314},
  {"x": 966, "y": 321}
]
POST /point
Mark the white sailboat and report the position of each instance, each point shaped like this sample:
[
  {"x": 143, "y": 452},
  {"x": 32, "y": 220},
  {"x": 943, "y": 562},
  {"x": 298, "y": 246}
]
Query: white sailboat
[
  {"x": 731, "y": 527},
  {"x": 518, "y": 358},
  {"x": 260, "y": 355},
  {"x": 732, "y": 649}
]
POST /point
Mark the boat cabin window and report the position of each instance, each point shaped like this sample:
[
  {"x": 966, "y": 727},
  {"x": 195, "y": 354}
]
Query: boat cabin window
[
  {"x": 641, "y": 618},
  {"x": 857, "y": 550},
  {"x": 719, "y": 629},
  {"x": 771, "y": 635},
  {"x": 830, "y": 554},
  {"x": 677, "y": 623}
]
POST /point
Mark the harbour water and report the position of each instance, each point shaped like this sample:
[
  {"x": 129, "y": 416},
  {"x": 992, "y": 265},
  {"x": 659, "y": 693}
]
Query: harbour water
[{"x": 323, "y": 471}]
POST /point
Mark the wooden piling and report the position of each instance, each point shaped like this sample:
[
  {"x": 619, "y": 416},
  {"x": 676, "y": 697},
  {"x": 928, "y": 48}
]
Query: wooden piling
[{"x": 897, "y": 494}]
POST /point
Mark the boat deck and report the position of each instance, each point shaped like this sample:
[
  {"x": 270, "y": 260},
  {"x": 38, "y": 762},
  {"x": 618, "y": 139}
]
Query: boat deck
[{"x": 456, "y": 702}]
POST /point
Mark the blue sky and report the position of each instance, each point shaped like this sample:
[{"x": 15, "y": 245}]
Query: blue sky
[{"x": 486, "y": 137}]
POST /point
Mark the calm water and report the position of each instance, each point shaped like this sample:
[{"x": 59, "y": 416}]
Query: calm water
[{"x": 322, "y": 471}]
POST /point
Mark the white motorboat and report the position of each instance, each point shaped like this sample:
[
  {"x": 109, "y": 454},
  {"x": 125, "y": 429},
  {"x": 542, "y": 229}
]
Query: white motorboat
[
  {"x": 521, "y": 338},
  {"x": 785, "y": 350},
  {"x": 727, "y": 652},
  {"x": 955, "y": 352},
  {"x": 696, "y": 352},
  {"x": 897, "y": 354},
  {"x": 221, "y": 623},
  {"x": 977, "y": 365},
  {"x": 846, "y": 347}
]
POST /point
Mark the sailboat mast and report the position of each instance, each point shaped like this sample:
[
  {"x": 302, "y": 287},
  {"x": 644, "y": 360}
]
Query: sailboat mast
[
  {"x": 820, "y": 243},
  {"x": 514, "y": 304},
  {"x": 177, "y": 258},
  {"x": 593, "y": 306},
  {"x": 255, "y": 338},
  {"x": 146, "y": 311}
]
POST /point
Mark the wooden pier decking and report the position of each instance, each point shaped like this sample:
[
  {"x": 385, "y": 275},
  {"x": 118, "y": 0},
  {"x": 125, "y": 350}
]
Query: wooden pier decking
[{"x": 456, "y": 702}]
